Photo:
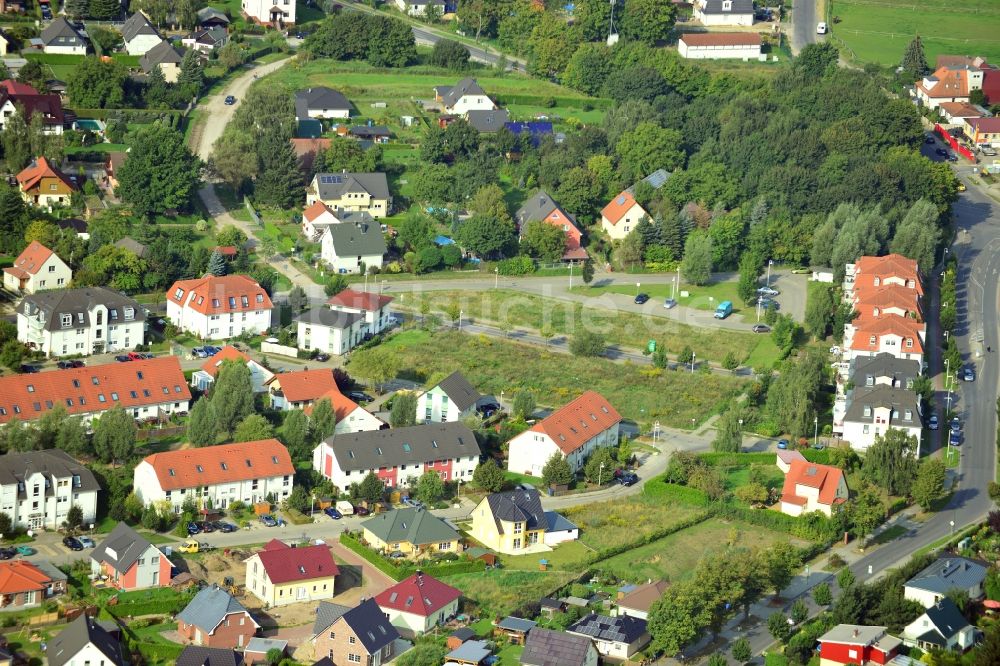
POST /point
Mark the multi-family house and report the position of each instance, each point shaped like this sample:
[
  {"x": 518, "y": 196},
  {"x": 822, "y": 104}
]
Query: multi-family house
[
  {"x": 25, "y": 584},
  {"x": 281, "y": 574},
  {"x": 83, "y": 321},
  {"x": 84, "y": 642},
  {"x": 203, "y": 378},
  {"x": 451, "y": 399},
  {"x": 901, "y": 337},
  {"x": 359, "y": 635},
  {"x": 812, "y": 487},
  {"x": 419, "y": 603},
  {"x": 302, "y": 389},
  {"x": 984, "y": 131},
  {"x": 868, "y": 372},
  {"x": 573, "y": 431},
  {"x": 214, "y": 618},
  {"x": 541, "y": 207},
  {"x": 127, "y": 561},
  {"x": 38, "y": 488},
  {"x": 399, "y": 456},
  {"x": 411, "y": 532},
  {"x": 139, "y": 34},
  {"x": 216, "y": 476},
  {"x": 151, "y": 388},
  {"x": 37, "y": 268},
  {"x": 952, "y": 82},
  {"x": 374, "y": 307},
  {"x": 44, "y": 185},
  {"x": 330, "y": 331},
  {"x": 275, "y": 13},
  {"x": 216, "y": 308},
  {"x": 14, "y": 94},
  {"x": 352, "y": 248},
  {"x": 857, "y": 644},
  {"x": 61, "y": 37},
  {"x": 354, "y": 192},
  {"x": 871, "y": 411},
  {"x": 614, "y": 637},
  {"x": 945, "y": 574},
  {"x": 871, "y": 271},
  {"x": 512, "y": 523},
  {"x": 466, "y": 95}
]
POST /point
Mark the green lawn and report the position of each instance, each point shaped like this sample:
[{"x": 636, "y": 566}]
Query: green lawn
[
  {"x": 98, "y": 148},
  {"x": 706, "y": 297},
  {"x": 673, "y": 398},
  {"x": 606, "y": 524},
  {"x": 502, "y": 591},
  {"x": 879, "y": 30},
  {"x": 768, "y": 474}
]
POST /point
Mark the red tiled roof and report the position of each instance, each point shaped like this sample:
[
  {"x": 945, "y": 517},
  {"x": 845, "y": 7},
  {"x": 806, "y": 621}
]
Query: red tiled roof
[
  {"x": 49, "y": 106},
  {"x": 305, "y": 385},
  {"x": 342, "y": 405},
  {"x": 891, "y": 295},
  {"x": 226, "y": 250},
  {"x": 225, "y": 463},
  {"x": 21, "y": 576},
  {"x": 13, "y": 87},
  {"x": 576, "y": 422},
  {"x": 419, "y": 594},
  {"x": 988, "y": 125},
  {"x": 904, "y": 327},
  {"x": 360, "y": 300},
  {"x": 31, "y": 260},
  {"x": 32, "y": 175},
  {"x": 618, "y": 206},
  {"x": 824, "y": 477},
  {"x": 314, "y": 211},
  {"x": 951, "y": 82},
  {"x": 866, "y": 269},
  {"x": 228, "y": 353},
  {"x": 285, "y": 564},
  {"x": 960, "y": 110},
  {"x": 79, "y": 390},
  {"x": 721, "y": 38},
  {"x": 213, "y": 294}
]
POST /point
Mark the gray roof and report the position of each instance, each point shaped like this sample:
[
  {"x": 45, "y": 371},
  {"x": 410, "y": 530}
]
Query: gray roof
[
  {"x": 882, "y": 366},
  {"x": 899, "y": 399},
  {"x": 335, "y": 185},
  {"x": 76, "y": 302},
  {"x": 947, "y": 573},
  {"x": 546, "y": 647},
  {"x": 74, "y": 223},
  {"x": 262, "y": 645},
  {"x": 62, "y": 33},
  {"x": 209, "y": 13},
  {"x": 487, "y": 120},
  {"x": 162, "y": 54},
  {"x": 323, "y": 316},
  {"x": 77, "y": 634},
  {"x": 359, "y": 239},
  {"x": 319, "y": 98},
  {"x": 451, "y": 94},
  {"x": 537, "y": 208},
  {"x": 855, "y": 634},
  {"x": 549, "y": 602},
  {"x": 946, "y": 621},
  {"x": 410, "y": 525},
  {"x": 16, "y": 467},
  {"x": 656, "y": 180},
  {"x": 518, "y": 624},
  {"x": 459, "y": 390},
  {"x": 210, "y": 36},
  {"x": 464, "y": 633},
  {"x": 737, "y": 7},
  {"x": 50, "y": 570},
  {"x": 557, "y": 523},
  {"x": 474, "y": 651},
  {"x": 209, "y": 608},
  {"x": 403, "y": 446},
  {"x": 326, "y": 614},
  {"x": 371, "y": 625},
  {"x": 136, "y": 25},
  {"x": 195, "y": 655},
  {"x": 121, "y": 549},
  {"x": 370, "y": 131},
  {"x": 518, "y": 506},
  {"x": 132, "y": 245},
  {"x": 622, "y": 629}
]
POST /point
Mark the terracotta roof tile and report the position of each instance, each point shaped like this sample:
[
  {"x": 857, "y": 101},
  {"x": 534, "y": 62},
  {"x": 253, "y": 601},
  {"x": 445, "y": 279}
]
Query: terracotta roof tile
[
  {"x": 213, "y": 295},
  {"x": 33, "y": 175},
  {"x": 315, "y": 211},
  {"x": 617, "y": 207},
  {"x": 360, "y": 300},
  {"x": 823, "y": 477},
  {"x": 228, "y": 353},
  {"x": 576, "y": 422},
  {"x": 243, "y": 461},
  {"x": 903, "y": 327},
  {"x": 21, "y": 576},
  {"x": 342, "y": 405},
  {"x": 419, "y": 594},
  {"x": 285, "y": 564},
  {"x": 31, "y": 260},
  {"x": 305, "y": 385}
]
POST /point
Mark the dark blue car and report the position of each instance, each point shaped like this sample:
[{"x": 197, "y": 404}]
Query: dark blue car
[
  {"x": 193, "y": 528},
  {"x": 333, "y": 513}
]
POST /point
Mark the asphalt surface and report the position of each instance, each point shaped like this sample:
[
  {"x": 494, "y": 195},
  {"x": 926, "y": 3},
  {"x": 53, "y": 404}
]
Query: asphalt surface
[{"x": 804, "y": 20}]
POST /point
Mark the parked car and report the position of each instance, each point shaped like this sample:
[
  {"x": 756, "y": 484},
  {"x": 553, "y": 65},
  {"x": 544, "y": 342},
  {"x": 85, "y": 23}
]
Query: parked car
[
  {"x": 29, "y": 369},
  {"x": 941, "y": 151},
  {"x": 28, "y": 550},
  {"x": 782, "y": 443},
  {"x": 64, "y": 365},
  {"x": 360, "y": 511},
  {"x": 359, "y": 396},
  {"x": 416, "y": 504},
  {"x": 225, "y": 527},
  {"x": 961, "y": 186},
  {"x": 396, "y": 555},
  {"x": 932, "y": 422},
  {"x": 761, "y": 328},
  {"x": 135, "y": 356},
  {"x": 969, "y": 374},
  {"x": 322, "y": 358},
  {"x": 487, "y": 409},
  {"x": 333, "y": 513},
  {"x": 955, "y": 438},
  {"x": 72, "y": 543},
  {"x": 928, "y": 139},
  {"x": 768, "y": 291},
  {"x": 7, "y": 553},
  {"x": 199, "y": 352},
  {"x": 122, "y": 358},
  {"x": 87, "y": 542},
  {"x": 268, "y": 520},
  {"x": 212, "y": 350},
  {"x": 955, "y": 425},
  {"x": 230, "y": 100},
  {"x": 670, "y": 303},
  {"x": 193, "y": 528},
  {"x": 952, "y": 157},
  {"x": 188, "y": 547},
  {"x": 207, "y": 527},
  {"x": 821, "y": 28},
  {"x": 628, "y": 478},
  {"x": 641, "y": 298}
]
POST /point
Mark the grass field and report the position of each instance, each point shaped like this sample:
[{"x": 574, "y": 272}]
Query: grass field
[
  {"x": 607, "y": 524},
  {"x": 673, "y": 398},
  {"x": 879, "y": 30},
  {"x": 502, "y": 591}
]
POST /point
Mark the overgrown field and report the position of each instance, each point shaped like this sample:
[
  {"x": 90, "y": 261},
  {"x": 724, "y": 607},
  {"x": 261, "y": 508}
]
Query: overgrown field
[{"x": 502, "y": 591}]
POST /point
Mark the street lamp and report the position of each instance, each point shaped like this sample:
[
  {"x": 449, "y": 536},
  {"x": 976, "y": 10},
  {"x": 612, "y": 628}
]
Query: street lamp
[
  {"x": 815, "y": 430},
  {"x": 496, "y": 275},
  {"x": 600, "y": 473},
  {"x": 312, "y": 509},
  {"x": 741, "y": 434},
  {"x": 656, "y": 431},
  {"x": 770, "y": 262},
  {"x": 693, "y": 355},
  {"x": 501, "y": 400},
  {"x": 571, "y": 275},
  {"x": 460, "y": 313}
]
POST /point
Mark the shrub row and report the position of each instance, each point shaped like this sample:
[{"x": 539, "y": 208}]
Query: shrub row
[
  {"x": 159, "y": 653},
  {"x": 146, "y": 608},
  {"x": 811, "y": 528},
  {"x": 519, "y": 265},
  {"x": 766, "y": 458},
  {"x": 655, "y": 535},
  {"x": 399, "y": 572},
  {"x": 539, "y": 100},
  {"x": 659, "y": 488}
]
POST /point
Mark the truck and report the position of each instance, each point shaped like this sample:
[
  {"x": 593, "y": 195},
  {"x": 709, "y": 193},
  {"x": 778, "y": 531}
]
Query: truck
[
  {"x": 724, "y": 310},
  {"x": 192, "y": 546},
  {"x": 345, "y": 507}
]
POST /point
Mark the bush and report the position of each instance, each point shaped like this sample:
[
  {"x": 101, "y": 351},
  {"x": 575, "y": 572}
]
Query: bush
[{"x": 520, "y": 265}]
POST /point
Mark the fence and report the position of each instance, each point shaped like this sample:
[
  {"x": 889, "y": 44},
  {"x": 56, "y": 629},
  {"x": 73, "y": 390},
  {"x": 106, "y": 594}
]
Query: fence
[
  {"x": 281, "y": 350},
  {"x": 953, "y": 142},
  {"x": 253, "y": 212}
]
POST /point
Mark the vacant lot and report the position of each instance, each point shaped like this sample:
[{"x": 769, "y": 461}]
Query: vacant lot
[
  {"x": 673, "y": 398},
  {"x": 706, "y": 297},
  {"x": 879, "y": 30},
  {"x": 606, "y": 524},
  {"x": 501, "y": 591}
]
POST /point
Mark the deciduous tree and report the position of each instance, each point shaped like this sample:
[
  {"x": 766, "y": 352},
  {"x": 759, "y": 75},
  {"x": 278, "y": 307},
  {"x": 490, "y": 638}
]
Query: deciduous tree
[
  {"x": 160, "y": 173},
  {"x": 404, "y": 409},
  {"x": 430, "y": 488},
  {"x": 697, "y": 264},
  {"x": 557, "y": 472},
  {"x": 323, "y": 421},
  {"x": 544, "y": 241},
  {"x": 232, "y": 395},
  {"x": 891, "y": 462},
  {"x": 114, "y": 435},
  {"x": 929, "y": 484},
  {"x": 253, "y": 428},
  {"x": 97, "y": 84},
  {"x": 488, "y": 476}
]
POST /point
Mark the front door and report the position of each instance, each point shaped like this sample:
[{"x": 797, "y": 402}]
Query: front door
[{"x": 301, "y": 593}]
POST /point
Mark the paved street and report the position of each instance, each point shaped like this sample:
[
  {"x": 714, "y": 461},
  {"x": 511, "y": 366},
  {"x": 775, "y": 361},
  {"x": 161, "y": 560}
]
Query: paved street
[{"x": 804, "y": 20}]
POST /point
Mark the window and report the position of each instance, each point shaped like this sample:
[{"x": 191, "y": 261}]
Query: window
[
  {"x": 354, "y": 658},
  {"x": 67, "y": 320},
  {"x": 52, "y": 269},
  {"x": 114, "y": 396},
  {"x": 352, "y": 640}
]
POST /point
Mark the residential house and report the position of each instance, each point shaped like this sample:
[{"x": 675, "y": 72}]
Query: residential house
[
  {"x": 373, "y": 133},
  {"x": 512, "y": 522},
  {"x": 419, "y": 7},
  {"x": 61, "y": 37},
  {"x": 83, "y": 321},
  {"x": 25, "y": 584},
  {"x": 196, "y": 655},
  {"x": 870, "y": 371},
  {"x": 215, "y": 619},
  {"x": 787, "y": 457},
  {"x": 149, "y": 388},
  {"x": 957, "y": 113},
  {"x": 878, "y": 271},
  {"x": 621, "y": 215},
  {"x": 321, "y": 102},
  {"x": 870, "y": 412},
  {"x": 719, "y": 45},
  {"x": 330, "y": 331},
  {"x": 112, "y": 164},
  {"x": 451, "y": 399},
  {"x": 947, "y": 573},
  {"x": 35, "y": 269},
  {"x": 14, "y": 94},
  {"x": 257, "y": 648},
  {"x": 399, "y": 456},
  {"x": 75, "y": 225},
  {"x": 204, "y": 378},
  {"x": 545, "y": 647},
  {"x": 464, "y": 96},
  {"x": 84, "y": 641},
  {"x": 359, "y": 635},
  {"x": 638, "y": 602},
  {"x": 942, "y": 626},
  {"x": 139, "y": 34},
  {"x": 164, "y": 56},
  {"x": 410, "y": 531},
  {"x": 984, "y": 131},
  {"x": 5, "y": 42},
  {"x": 217, "y": 308},
  {"x": 206, "y": 40},
  {"x": 210, "y": 17},
  {"x": 902, "y": 337},
  {"x": 857, "y": 644},
  {"x": 355, "y": 192},
  {"x": 374, "y": 307},
  {"x": 615, "y": 637},
  {"x": 574, "y": 431},
  {"x": 281, "y": 574},
  {"x": 315, "y": 219},
  {"x": 216, "y": 475},
  {"x": 127, "y": 561},
  {"x": 44, "y": 185},
  {"x": 559, "y": 530},
  {"x": 352, "y": 248},
  {"x": 38, "y": 488},
  {"x": 541, "y": 207},
  {"x": 812, "y": 487},
  {"x": 723, "y": 12},
  {"x": 487, "y": 121},
  {"x": 302, "y": 389},
  {"x": 419, "y": 603},
  {"x": 889, "y": 299},
  {"x": 275, "y": 13},
  {"x": 140, "y": 250},
  {"x": 949, "y": 83}
]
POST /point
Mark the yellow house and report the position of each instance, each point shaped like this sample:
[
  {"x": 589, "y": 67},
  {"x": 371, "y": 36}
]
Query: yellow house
[
  {"x": 412, "y": 532},
  {"x": 282, "y": 574},
  {"x": 512, "y": 523}
]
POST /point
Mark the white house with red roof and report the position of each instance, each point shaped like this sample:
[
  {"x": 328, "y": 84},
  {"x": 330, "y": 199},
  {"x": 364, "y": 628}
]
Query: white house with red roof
[
  {"x": 419, "y": 603},
  {"x": 203, "y": 378},
  {"x": 315, "y": 219},
  {"x": 281, "y": 574},
  {"x": 901, "y": 337},
  {"x": 216, "y": 475},
  {"x": 621, "y": 215},
  {"x": 302, "y": 389},
  {"x": 810, "y": 487},
  {"x": 373, "y": 307},
  {"x": 35, "y": 269},
  {"x": 573, "y": 431},
  {"x": 949, "y": 83},
  {"x": 42, "y": 184},
  {"x": 870, "y": 271},
  {"x": 857, "y": 644},
  {"x": 14, "y": 94},
  {"x": 217, "y": 308}
]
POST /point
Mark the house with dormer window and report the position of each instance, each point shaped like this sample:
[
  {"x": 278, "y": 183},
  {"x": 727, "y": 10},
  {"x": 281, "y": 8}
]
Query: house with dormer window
[
  {"x": 218, "y": 308},
  {"x": 80, "y": 322},
  {"x": 871, "y": 411},
  {"x": 419, "y": 603},
  {"x": 127, "y": 561},
  {"x": 37, "y": 488},
  {"x": 359, "y": 635}
]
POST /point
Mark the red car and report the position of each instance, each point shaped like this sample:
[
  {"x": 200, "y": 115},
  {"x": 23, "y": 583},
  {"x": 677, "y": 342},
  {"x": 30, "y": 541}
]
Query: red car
[{"x": 135, "y": 356}]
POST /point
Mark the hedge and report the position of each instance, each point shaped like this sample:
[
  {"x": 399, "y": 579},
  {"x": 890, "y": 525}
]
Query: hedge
[
  {"x": 55, "y": 58},
  {"x": 659, "y": 488},
  {"x": 819, "y": 528},
  {"x": 399, "y": 572},
  {"x": 745, "y": 459},
  {"x": 159, "y": 652},
  {"x": 655, "y": 535},
  {"x": 148, "y": 608},
  {"x": 537, "y": 100}
]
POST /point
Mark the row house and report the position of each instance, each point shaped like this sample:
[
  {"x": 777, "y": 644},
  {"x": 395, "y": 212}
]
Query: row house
[
  {"x": 84, "y": 321},
  {"x": 451, "y": 399},
  {"x": 216, "y": 476},
  {"x": 302, "y": 389},
  {"x": 37, "y": 488},
  {"x": 879, "y": 271},
  {"x": 399, "y": 456},
  {"x": 217, "y": 308},
  {"x": 35, "y": 269},
  {"x": 872, "y": 411},
  {"x": 867, "y": 372}
]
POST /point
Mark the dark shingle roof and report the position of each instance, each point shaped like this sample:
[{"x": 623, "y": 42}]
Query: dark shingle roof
[
  {"x": 16, "y": 467},
  {"x": 459, "y": 390},
  {"x": 403, "y": 446},
  {"x": 546, "y": 647},
  {"x": 317, "y": 98},
  {"x": 416, "y": 526},
  {"x": 127, "y": 545},
  {"x": 137, "y": 24},
  {"x": 194, "y": 655},
  {"x": 883, "y": 365},
  {"x": 78, "y": 634},
  {"x": 464, "y": 87},
  {"x": 359, "y": 239},
  {"x": 162, "y": 54},
  {"x": 517, "y": 624},
  {"x": 518, "y": 506},
  {"x": 131, "y": 244},
  {"x": 211, "y": 13},
  {"x": 621, "y": 629},
  {"x": 537, "y": 208},
  {"x": 74, "y": 223},
  {"x": 737, "y": 7},
  {"x": 75, "y": 302},
  {"x": 209, "y": 608},
  {"x": 470, "y": 652},
  {"x": 899, "y": 399},
  {"x": 487, "y": 120},
  {"x": 946, "y": 619},
  {"x": 62, "y": 33},
  {"x": 326, "y": 614},
  {"x": 335, "y": 185},
  {"x": 948, "y": 573},
  {"x": 370, "y": 625},
  {"x": 557, "y": 522}
]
